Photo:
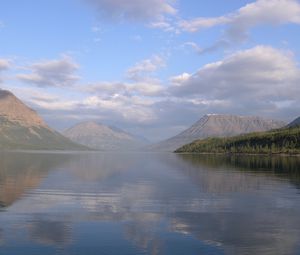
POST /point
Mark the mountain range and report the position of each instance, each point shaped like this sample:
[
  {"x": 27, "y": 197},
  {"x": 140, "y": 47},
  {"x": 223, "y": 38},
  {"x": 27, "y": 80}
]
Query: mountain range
[
  {"x": 102, "y": 137},
  {"x": 217, "y": 125},
  {"x": 22, "y": 128}
]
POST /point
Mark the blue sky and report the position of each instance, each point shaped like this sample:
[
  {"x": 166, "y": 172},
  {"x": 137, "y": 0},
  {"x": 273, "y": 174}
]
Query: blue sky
[{"x": 151, "y": 67}]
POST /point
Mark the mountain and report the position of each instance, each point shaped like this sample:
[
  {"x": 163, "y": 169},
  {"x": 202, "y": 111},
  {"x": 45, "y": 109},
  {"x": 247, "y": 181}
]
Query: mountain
[
  {"x": 217, "y": 125},
  {"x": 102, "y": 137},
  {"x": 294, "y": 123},
  {"x": 280, "y": 141},
  {"x": 22, "y": 128}
]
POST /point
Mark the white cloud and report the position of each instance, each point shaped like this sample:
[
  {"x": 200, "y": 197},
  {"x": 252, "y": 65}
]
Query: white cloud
[
  {"x": 41, "y": 99},
  {"x": 129, "y": 109},
  {"x": 53, "y": 73},
  {"x": 133, "y": 10},
  {"x": 261, "y": 12},
  {"x": 179, "y": 79},
  {"x": 220, "y": 44},
  {"x": 53, "y": 103},
  {"x": 145, "y": 67},
  {"x": 4, "y": 65},
  {"x": 107, "y": 89},
  {"x": 259, "y": 74},
  {"x": 165, "y": 25},
  {"x": 197, "y": 24}
]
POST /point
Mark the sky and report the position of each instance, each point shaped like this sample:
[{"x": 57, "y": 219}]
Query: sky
[{"x": 151, "y": 67}]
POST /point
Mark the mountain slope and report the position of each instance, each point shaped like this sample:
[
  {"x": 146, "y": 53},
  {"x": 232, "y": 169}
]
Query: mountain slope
[
  {"x": 217, "y": 125},
  {"x": 101, "y": 137},
  {"x": 285, "y": 140},
  {"x": 22, "y": 128},
  {"x": 294, "y": 123}
]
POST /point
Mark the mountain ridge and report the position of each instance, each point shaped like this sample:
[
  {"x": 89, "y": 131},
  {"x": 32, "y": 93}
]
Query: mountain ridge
[
  {"x": 294, "y": 123},
  {"x": 22, "y": 128},
  {"x": 102, "y": 137},
  {"x": 217, "y": 125}
]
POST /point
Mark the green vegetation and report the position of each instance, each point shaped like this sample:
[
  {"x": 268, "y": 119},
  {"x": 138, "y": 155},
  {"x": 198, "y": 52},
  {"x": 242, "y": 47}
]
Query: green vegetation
[{"x": 280, "y": 141}]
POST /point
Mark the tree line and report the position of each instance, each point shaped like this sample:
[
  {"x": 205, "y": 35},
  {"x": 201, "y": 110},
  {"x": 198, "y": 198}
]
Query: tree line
[{"x": 280, "y": 141}]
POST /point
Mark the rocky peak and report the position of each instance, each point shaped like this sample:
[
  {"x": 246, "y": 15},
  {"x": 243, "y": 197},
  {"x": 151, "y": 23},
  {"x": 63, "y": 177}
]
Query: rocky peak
[
  {"x": 218, "y": 125},
  {"x": 91, "y": 128},
  {"x": 295, "y": 123},
  {"x": 100, "y": 136},
  {"x": 12, "y": 109}
]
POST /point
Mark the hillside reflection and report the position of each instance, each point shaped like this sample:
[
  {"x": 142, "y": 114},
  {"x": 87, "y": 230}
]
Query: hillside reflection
[
  {"x": 241, "y": 169},
  {"x": 20, "y": 172}
]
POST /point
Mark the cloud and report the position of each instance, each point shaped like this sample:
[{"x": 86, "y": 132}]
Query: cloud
[
  {"x": 133, "y": 10},
  {"x": 165, "y": 25},
  {"x": 53, "y": 73},
  {"x": 238, "y": 23},
  {"x": 197, "y": 24},
  {"x": 4, "y": 65},
  {"x": 253, "y": 14},
  {"x": 179, "y": 79},
  {"x": 107, "y": 89},
  {"x": 141, "y": 81},
  {"x": 128, "y": 102},
  {"x": 132, "y": 109},
  {"x": 220, "y": 44},
  {"x": 118, "y": 108},
  {"x": 145, "y": 67},
  {"x": 258, "y": 77}
]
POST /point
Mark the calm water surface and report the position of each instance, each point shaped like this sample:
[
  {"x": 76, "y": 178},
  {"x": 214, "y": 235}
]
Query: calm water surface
[{"x": 105, "y": 203}]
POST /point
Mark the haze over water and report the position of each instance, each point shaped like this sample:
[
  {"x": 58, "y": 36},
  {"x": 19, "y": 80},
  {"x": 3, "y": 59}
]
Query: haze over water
[{"x": 108, "y": 203}]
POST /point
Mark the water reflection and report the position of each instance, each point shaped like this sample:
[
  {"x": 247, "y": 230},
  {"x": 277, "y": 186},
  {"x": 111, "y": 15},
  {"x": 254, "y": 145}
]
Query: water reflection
[
  {"x": 20, "y": 172},
  {"x": 50, "y": 232},
  {"x": 257, "y": 166},
  {"x": 142, "y": 231},
  {"x": 262, "y": 212},
  {"x": 149, "y": 204}
]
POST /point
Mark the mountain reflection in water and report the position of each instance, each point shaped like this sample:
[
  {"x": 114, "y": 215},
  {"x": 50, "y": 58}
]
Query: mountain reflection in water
[{"x": 106, "y": 203}]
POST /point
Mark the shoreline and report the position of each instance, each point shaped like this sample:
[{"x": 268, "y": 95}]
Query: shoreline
[{"x": 240, "y": 154}]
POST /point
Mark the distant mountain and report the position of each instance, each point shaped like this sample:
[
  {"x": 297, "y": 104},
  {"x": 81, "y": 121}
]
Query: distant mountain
[
  {"x": 102, "y": 137},
  {"x": 294, "y": 123},
  {"x": 22, "y": 128},
  {"x": 217, "y": 125}
]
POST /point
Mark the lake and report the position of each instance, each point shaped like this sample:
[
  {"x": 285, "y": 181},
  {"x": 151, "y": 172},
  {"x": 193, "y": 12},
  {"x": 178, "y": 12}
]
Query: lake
[{"x": 147, "y": 203}]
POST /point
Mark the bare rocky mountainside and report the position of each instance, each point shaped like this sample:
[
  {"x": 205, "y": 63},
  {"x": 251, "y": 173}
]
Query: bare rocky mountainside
[
  {"x": 294, "y": 123},
  {"x": 14, "y": 110},
  {"x": 22, "y": 128},
  {"x": 217, "y": 125},
  {"x": 102, "y": 137}
]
